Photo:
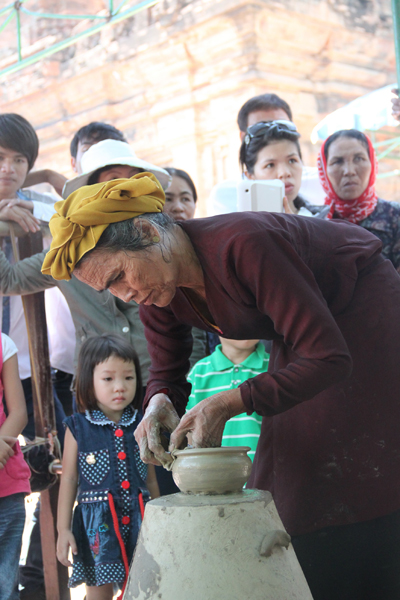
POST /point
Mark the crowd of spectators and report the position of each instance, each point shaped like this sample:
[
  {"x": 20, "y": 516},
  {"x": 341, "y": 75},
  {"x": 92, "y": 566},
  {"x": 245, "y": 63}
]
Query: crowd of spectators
[{"x": 343, "y": 188}]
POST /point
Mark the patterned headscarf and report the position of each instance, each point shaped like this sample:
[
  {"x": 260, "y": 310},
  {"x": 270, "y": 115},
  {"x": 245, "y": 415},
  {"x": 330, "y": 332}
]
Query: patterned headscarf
[
  {"x": 81, "y": 218},
  {"x": 352, "y": 210}
]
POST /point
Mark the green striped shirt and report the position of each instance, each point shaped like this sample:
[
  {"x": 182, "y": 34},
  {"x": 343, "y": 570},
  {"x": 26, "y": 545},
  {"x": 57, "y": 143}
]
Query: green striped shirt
[{"x": 216, "y": 373}]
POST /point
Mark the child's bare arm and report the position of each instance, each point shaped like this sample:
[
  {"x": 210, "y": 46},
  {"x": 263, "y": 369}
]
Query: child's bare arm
[
  {"x": 46, "y": 176},
  {"x": 66, "y": 499},
  {"x": 151, "y": 482},
  {"x": 6, "y": 449},
  {"x": 15, "y": 399}
]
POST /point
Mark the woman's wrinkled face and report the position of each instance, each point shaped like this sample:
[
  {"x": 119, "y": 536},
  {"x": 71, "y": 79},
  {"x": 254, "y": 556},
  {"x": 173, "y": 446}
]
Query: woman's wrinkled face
[
  {"x": 142, "y": 276},
  {"x": 348, "y": 167},
  {"x": 280, "y": 160},
  {"x": 179, "y": 200}
]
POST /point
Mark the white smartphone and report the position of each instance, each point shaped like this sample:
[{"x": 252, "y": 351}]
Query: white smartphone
[{"x": 257, "y": 195}]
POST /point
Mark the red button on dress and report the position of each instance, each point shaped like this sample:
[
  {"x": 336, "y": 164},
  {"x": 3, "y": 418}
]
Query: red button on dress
[
  {"x": 125, "y": 484},
  {"x": 126, "y": 520},
  {"x": 121, "y": 455},
  {"x": 119, "y": 432}
]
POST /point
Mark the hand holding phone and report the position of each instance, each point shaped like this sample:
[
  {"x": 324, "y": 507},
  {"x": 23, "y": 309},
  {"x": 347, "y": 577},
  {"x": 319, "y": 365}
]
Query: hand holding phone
[{"x": 260, "y": 195}]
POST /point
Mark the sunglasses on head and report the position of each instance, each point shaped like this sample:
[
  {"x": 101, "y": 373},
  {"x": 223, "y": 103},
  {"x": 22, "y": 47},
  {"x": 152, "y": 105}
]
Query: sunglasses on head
[{"x": 262, "y": 127}]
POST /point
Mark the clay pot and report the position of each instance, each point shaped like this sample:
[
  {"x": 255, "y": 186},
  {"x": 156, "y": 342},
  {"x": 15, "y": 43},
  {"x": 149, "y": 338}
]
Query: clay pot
[{"x": 211, "y": 470}]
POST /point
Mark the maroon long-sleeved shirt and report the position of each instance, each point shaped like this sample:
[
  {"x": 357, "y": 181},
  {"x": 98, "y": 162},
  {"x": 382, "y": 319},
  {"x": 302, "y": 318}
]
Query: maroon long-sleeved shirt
[{"x": 329, "y": 450}]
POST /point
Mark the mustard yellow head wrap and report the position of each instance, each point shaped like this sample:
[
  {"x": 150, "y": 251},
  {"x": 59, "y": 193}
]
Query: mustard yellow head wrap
[{"x": 85, "y": 214}]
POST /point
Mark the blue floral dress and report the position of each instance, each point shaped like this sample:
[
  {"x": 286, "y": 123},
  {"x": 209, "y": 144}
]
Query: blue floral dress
[{"x": 108, "y": 463}]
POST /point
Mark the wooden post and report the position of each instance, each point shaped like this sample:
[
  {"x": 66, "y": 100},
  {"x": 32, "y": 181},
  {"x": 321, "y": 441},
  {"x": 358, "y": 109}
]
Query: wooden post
[{"x": 35, "y": 316}]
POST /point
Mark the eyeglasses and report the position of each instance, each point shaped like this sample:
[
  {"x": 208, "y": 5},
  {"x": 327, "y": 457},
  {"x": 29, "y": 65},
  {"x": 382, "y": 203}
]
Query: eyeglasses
[{"x": 262, "y": 127}]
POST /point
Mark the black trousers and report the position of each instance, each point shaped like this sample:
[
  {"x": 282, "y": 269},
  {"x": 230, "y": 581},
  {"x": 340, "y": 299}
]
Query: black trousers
[
  {"x": 62, "y": 384},
  {"x": 353, "y": 562}
]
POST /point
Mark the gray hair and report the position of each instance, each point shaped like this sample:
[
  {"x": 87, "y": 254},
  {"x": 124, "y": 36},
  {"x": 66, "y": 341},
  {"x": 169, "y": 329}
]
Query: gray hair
[{"x": 128, "y": 235}]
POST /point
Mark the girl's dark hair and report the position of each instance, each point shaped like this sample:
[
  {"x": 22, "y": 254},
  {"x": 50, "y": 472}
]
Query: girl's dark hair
[
  {"x": 17, "y": 134},
  {"x": 94, "y": 178},
  {"x": 249, "y": 152},
  {"x": 95, "y": 350},
  {"x": 183, "y": 175},
  {"x": 346, "y": 133}
]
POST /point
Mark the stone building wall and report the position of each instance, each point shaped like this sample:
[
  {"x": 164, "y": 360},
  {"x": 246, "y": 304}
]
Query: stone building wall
[{"x": 174, "y": 76}]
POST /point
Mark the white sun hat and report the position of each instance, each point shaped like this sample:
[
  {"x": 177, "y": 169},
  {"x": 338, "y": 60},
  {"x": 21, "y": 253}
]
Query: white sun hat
[{"x": 108, "y": 153}]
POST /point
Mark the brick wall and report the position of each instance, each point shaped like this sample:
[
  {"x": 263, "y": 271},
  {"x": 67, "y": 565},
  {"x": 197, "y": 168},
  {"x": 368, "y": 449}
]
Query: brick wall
[{"x": 173, "y": 77}]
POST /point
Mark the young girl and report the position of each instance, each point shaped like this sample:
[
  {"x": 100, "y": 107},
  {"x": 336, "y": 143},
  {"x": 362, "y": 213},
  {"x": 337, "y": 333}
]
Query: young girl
[
  {"x": 14, "y": 472},
  {"x": 101, "y": 461}
]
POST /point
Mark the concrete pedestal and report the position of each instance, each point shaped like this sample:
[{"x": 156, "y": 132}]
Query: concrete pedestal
[{"x": 208, "y": 548}]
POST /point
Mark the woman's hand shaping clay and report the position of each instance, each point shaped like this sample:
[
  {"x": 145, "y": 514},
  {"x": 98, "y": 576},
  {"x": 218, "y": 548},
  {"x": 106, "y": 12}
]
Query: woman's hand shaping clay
[
  {"x": 160, "y": 416},
  {"x": 205, "y": 422}
]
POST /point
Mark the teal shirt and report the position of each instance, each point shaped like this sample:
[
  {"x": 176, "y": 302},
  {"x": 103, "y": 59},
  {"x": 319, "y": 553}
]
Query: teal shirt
[{"x": 216, "y": 373}]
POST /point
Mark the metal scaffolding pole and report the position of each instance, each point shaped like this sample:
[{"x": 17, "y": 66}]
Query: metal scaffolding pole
[
  {"x": 115, "y": 15},
  {"x": 396, "y": 33}
]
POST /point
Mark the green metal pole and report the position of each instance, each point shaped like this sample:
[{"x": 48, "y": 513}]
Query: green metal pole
[
  {"x": 396, "y": 33},
  {"x": 120, "y": 6},
  {"x": 6, "y": 21},
  {"x": 392, "y": 146},
  {"x": 390, "y": 174},
  {"x": 6, "y": 8},
  {"x": 70, "y": 41},
  {"x": 19, "y": 34},
  {"x": 65, "y": 17}
]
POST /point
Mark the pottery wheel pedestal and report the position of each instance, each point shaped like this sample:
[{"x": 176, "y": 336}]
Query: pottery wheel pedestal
[{"x": 194, "y": 547}]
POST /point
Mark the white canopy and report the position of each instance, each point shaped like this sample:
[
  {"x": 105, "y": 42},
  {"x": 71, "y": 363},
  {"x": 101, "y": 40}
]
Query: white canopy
[{"x": 372, "y": 111}]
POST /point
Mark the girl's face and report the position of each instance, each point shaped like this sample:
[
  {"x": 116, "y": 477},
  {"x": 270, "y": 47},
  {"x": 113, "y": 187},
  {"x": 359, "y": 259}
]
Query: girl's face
[
  {"x": 280, "y": 160},
  {"x": 348, "y": 167},
  {"x": 179, "y": 200},
  {"x": 114, "y": 382}
]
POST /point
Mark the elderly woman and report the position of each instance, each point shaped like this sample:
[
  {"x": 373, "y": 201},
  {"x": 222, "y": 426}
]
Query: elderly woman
[
  {"x": 347, "y": 169},
  {"x": 329, "y": 449}
]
